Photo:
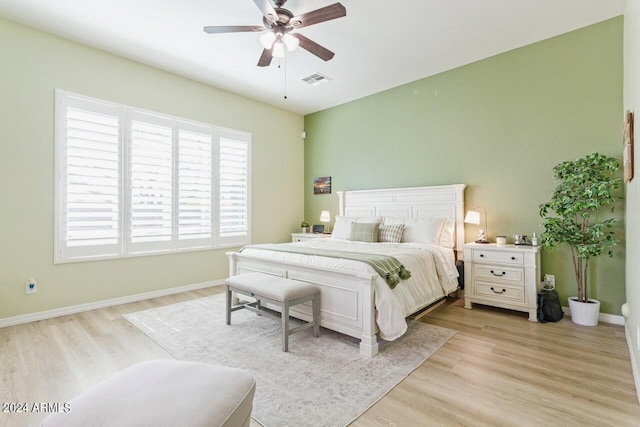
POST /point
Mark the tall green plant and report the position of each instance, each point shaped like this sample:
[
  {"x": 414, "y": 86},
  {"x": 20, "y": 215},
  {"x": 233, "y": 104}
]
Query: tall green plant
[{"x": 586, "y": 186}]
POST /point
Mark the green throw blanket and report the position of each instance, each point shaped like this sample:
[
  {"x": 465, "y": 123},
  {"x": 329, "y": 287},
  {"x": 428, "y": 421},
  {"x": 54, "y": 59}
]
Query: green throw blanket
[{"x": 388, "y": 267}]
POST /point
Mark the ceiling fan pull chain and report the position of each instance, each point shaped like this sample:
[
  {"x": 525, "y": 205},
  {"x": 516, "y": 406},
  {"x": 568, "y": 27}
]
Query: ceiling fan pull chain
[{"x": 285, "y": 77}]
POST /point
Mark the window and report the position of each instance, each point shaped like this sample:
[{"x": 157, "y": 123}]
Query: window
[{"x": 132, "y": 182}]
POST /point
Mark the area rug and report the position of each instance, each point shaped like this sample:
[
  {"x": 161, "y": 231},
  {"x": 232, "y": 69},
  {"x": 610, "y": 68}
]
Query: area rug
[{"x": 320, "y": 382}]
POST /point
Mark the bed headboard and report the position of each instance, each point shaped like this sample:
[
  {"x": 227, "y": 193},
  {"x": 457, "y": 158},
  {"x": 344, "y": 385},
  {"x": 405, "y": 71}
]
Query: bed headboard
[{"x": 441, "y": 201}]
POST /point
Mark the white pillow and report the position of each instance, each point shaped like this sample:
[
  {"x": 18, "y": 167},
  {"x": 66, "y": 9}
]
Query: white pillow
[
  {"x": 447, "y": 236},
  {"x": 423, "y": 230},
  {"x": 390, "y": 220},
  {"x": 342, "y": 227},
  {"x": 426, "y": 233}
]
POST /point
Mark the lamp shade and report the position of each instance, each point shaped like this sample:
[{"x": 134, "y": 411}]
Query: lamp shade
[
  {"x": 290, "y": 42},
  {"x": 325, "y": 216},
  {"x": 278, "y": 49},
  {"x": 267, "y": 39},
  {"x": 472, "y": 217}
]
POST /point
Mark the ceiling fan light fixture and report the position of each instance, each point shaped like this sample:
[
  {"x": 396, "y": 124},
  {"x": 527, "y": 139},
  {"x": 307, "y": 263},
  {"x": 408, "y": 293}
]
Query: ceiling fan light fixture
[
  {"x": 291, "y": 42},
  {"x": 278, "y": 49},
  {"x": 267, "y": 38}
]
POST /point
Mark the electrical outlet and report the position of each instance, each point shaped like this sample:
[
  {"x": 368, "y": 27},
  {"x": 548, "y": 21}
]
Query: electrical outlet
[{"x": 31, "y": 286}]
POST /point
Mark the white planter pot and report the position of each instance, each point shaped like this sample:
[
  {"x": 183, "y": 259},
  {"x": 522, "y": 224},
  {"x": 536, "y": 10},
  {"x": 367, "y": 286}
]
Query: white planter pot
[
  {"x": 304, "y": 230},
  {"x": 584, "y": 313}
]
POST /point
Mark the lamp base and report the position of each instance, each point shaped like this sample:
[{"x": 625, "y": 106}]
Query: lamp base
[{"x": 482, "y": 241}]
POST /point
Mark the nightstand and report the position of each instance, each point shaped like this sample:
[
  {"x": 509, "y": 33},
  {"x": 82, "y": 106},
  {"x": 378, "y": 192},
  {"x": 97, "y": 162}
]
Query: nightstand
[
  {"x": 502, "y": 276},
  {"x": 303, "y": 237}
]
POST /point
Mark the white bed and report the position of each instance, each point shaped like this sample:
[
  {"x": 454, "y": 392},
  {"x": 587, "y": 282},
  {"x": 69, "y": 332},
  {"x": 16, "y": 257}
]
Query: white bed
[{"x": 355, "y": 300}]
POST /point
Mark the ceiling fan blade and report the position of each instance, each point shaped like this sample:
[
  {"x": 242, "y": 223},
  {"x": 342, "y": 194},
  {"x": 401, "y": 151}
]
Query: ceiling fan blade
[
  {"x": 327, "y": 13},
  {"x": 267, "y": 10},
  {"x": 313, "y": 47},
  {"x": 232, "y": 29},
  {"x": 265, "y": 58}
]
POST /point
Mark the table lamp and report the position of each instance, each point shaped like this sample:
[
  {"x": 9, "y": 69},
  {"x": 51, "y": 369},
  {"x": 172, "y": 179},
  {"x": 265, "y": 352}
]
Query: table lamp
[
  {"x": 473, "y": 217},
  {"x": 325, "y": 217}
]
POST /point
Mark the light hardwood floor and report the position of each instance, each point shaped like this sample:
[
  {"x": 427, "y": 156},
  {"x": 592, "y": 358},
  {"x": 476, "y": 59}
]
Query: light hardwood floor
[{"x": 498, "y": 370}]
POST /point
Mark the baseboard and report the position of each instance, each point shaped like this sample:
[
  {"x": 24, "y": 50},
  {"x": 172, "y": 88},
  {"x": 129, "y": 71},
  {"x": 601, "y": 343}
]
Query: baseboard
[
  {"x": 48, "y": 314},
  {"x": 635, "y": 369},
  {"x": 614, "y": 319}
]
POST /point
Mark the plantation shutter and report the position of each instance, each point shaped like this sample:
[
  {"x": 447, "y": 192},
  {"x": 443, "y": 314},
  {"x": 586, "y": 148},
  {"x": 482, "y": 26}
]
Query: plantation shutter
[
  {"x": 234, "y": 188},
  {"x": 195, "y": 186},
  {"x": 131, "y": 182},
  {"x": 88, "y": 196},
  {"x": 151, "y": 183}
]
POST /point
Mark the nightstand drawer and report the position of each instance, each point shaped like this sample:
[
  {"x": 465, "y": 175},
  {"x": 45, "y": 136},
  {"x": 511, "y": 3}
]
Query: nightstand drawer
[
  {"x": 510, "y": 257},
  {"x": 512, "y": 293},
  {"x": 499, "y": 274},
  {"x": 305, "y": 237}
]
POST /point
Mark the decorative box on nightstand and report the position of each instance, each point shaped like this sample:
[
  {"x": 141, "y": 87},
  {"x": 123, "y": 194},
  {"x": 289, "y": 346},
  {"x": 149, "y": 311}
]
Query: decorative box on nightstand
[
  {"x": 303, "y": 237},
  {"x": 502, "y": 276}
]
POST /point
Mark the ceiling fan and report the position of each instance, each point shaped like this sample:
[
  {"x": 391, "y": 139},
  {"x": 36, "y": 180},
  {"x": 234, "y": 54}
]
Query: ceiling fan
[{"x": 278, "y": 26}]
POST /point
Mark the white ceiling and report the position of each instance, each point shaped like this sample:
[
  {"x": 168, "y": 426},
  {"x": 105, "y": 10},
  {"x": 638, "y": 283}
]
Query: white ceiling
[{"x": 378, "y": 45}]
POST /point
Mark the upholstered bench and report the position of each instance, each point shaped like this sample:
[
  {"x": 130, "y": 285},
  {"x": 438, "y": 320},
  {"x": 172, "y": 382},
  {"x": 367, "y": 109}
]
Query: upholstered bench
[
  {"x": 279, "y": 291},
  {"x": 164, "y": 393}
]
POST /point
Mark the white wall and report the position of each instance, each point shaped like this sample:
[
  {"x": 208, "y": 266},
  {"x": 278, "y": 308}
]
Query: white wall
[
  {"x": 632, "y": 220},
  {"x": 34, "y": 64}
]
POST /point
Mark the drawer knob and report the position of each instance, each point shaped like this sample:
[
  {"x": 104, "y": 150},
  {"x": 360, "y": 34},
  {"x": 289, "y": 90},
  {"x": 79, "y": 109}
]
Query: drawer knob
[
  {"x": 481, "y": 255},
  {"x": 513, "y": 258},
  {"x": 498, "y": 292},
  {"x": 498, "y": 275}
]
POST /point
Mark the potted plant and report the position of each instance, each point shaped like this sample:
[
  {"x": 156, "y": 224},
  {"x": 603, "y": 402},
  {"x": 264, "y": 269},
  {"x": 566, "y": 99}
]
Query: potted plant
[
  {"x": 585, "y": 187},
  {"x": 304, "y": 225}
]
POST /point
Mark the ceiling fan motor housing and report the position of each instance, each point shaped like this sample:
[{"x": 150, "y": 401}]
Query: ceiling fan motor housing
[{"x": 283, "y": 21}]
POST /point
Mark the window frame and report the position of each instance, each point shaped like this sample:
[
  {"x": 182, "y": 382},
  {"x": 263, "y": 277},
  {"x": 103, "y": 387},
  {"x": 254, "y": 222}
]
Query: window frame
[{"x": 124, "y": 248}]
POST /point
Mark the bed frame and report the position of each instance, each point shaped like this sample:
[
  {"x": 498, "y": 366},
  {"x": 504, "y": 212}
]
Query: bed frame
[{"x": 347, "y": 298}]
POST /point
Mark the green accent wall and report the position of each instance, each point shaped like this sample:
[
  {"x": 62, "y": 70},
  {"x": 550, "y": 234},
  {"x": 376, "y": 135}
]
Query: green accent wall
[
  {"x": 34, "y": 64},
  {"x": 498, "y": 125}
]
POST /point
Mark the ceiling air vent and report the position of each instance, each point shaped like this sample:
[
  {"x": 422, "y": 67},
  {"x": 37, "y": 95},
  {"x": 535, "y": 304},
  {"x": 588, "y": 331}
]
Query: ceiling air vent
[{"x": 317, "y": 79}]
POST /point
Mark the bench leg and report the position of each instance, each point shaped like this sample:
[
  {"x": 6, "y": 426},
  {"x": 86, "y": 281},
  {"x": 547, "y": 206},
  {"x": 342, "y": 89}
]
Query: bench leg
[
  {"x": 228, "y": 306},
  {"x": 316, "y": 315},
  {"x": 285, "y": 326}
]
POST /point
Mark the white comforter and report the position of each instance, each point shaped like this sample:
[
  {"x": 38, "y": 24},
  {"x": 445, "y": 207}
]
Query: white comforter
[{"x": 432, "y": 267}]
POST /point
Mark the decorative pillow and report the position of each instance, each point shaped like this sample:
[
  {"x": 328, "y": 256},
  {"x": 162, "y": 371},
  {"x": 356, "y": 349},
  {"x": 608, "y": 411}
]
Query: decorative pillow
[
  {"x": 447, "y": 236},
  {"x": 423, "y": 230},
  {"x": 391, "y": 233},
  {"x": 364, "y": 232},
  {"x": 342, "y": 227}
]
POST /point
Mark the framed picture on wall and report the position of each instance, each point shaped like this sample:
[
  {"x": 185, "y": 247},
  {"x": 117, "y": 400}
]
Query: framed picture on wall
[
  {"x": 627, "y": 151},
  {"x": 322, "y": 185}
]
